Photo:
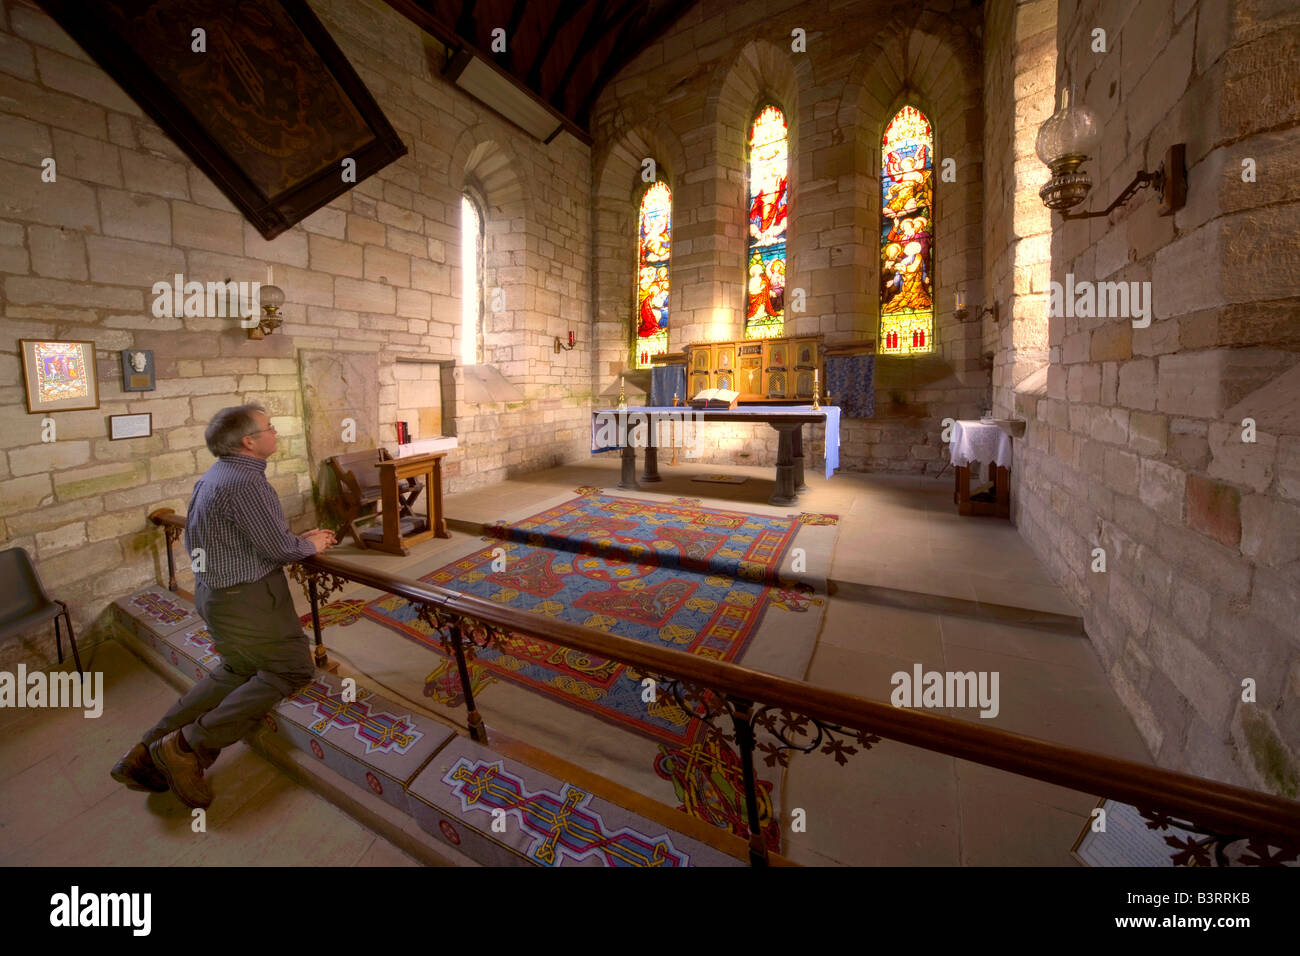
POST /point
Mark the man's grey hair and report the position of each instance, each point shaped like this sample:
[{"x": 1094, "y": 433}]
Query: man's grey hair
[{"x": 228, "y": 427}]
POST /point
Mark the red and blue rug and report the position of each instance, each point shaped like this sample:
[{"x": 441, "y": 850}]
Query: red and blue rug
[{"x": 692, "y": 579}]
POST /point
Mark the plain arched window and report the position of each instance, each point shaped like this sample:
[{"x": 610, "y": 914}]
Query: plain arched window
[{"x": 471, "y": 271}]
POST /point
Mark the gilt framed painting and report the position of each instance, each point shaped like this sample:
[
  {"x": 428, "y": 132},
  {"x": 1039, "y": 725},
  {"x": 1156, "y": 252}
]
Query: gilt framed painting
[
  {"x": 59, "y": 376},
  {"x": 255, "y": 92}
]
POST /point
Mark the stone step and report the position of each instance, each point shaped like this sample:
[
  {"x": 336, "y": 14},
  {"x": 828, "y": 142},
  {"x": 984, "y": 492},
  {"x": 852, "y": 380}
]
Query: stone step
[
  {"x": 922, "y": 601},
  {"x": 501, "y": 805}
]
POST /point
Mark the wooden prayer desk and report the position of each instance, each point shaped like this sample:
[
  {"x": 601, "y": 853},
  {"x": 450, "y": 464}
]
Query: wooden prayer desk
[
  {"x": 973, "y": 442},
  {"x": 391, "y": 473},
  {"x": 787, "y": 420}
]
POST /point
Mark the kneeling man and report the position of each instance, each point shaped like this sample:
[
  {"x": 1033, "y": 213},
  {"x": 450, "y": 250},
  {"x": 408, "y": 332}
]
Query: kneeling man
[{"x": 236, "y": 521}]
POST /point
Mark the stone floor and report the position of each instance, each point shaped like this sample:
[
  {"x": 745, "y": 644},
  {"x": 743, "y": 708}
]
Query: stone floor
[
  {"x": 904, "y": 534},
  {"x": 960, "y": 594},
  {"x": 59, "y": 806}
]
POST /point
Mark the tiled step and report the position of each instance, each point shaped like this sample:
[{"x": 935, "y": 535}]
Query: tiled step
[
  {"x": 493, "y": 809},
  {"x": 505, "y": 813},
  {"x": 361, "y": 736}
]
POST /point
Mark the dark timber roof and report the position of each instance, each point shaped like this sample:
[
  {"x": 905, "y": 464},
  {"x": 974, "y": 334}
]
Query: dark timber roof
[{"x": 563, "y": 52}]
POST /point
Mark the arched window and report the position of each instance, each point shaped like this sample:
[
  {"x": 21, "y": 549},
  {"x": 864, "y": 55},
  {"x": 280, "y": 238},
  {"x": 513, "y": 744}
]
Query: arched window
[
  {"x": 654, "y": 237},
  {"x": 907, "y": 235},
  {"x": 471, "y": 283},
  {"x": 768, "y": 205}
]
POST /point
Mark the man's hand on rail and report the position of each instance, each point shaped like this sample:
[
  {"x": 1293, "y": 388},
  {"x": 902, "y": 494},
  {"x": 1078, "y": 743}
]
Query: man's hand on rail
[{"x": 320, "y": 538}]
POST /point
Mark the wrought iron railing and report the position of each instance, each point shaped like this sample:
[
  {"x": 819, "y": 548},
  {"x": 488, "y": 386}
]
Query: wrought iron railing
[{"x": 801, "y": 717}]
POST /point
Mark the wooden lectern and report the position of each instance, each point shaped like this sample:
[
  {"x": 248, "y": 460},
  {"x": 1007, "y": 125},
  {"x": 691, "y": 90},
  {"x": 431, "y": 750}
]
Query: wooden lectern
[{"x": 391, "y": 474}]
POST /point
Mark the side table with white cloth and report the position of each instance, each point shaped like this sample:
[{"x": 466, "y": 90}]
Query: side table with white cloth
[{"x": 982, "y": 441}]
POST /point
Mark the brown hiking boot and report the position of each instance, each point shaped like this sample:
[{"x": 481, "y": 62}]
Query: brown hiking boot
[
  {"x": 182, "y": 770},
  {"x": 137, "y": 771}
]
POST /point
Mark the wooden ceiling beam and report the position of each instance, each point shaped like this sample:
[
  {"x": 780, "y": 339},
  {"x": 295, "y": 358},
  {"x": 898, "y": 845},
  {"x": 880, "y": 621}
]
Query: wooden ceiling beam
[
  {"x": 568, "y": 10},
  {"x": 591, "y": 36},
  {"x": 466, "y": 23},
  {"x": 512, "y": 31}
]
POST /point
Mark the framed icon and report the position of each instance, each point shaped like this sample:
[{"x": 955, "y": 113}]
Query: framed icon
[
  {"x": 59, "y": 376},
  {"x": 137, "y": 370}
]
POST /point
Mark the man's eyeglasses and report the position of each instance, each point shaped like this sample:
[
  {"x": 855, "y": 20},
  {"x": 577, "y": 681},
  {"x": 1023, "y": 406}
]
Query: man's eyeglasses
[{"x": 269, "y": 428}]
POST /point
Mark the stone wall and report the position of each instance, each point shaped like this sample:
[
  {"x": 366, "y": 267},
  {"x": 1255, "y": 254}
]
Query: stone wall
[
  {"x": 1019, "y": 87},
  {"x": 374, "y": 272},
  {"x": 687, "y": 102},
  {"x": 1137, "y": 446}
]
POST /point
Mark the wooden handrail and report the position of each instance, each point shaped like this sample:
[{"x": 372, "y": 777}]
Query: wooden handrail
[{"x": 1221, "y": 807}]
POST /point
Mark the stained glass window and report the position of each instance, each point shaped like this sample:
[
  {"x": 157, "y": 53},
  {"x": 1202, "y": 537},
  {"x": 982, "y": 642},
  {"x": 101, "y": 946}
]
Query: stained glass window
[
  {"x": 768, "y": 203},
  {"x": 907, "y": 235},
  {"x": 654, "y": 236}
]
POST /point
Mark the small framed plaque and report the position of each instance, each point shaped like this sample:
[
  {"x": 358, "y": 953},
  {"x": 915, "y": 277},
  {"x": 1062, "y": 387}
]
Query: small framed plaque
[
  {"x": 137, "y": 370},
  {"x": 130, "y": 426}
]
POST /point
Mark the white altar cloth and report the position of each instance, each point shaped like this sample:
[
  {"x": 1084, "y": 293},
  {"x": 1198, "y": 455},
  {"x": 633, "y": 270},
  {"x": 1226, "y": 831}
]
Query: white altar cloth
[{"x": 979, "y": 441}]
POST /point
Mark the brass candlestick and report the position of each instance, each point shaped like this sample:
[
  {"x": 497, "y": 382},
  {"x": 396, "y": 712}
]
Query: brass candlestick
[
  {"x": 816, "y": 390},
  {"x": 622, "y": 398}
]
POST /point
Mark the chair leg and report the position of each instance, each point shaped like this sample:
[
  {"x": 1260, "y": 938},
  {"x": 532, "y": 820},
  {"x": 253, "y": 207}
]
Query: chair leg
[
  {"x": 58, "y": 637},
  {"x": 72, "y": 638}
]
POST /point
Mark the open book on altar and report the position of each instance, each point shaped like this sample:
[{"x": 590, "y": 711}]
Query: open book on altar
[{"x": 716, "y": 398}]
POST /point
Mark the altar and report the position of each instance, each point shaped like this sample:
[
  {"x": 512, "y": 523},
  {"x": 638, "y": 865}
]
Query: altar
[{"x": 638, "y": 427}]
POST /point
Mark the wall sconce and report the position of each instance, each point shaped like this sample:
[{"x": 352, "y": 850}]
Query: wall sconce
[
  {"x": 1068, "y": 139},
  {"x": 963, "y": 313},
  {"x": 271, "y": 298},
  {"x": 560, "y": 345}
]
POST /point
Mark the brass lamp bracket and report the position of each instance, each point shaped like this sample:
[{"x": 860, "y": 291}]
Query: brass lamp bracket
[{"x": 1169, "y": 182}]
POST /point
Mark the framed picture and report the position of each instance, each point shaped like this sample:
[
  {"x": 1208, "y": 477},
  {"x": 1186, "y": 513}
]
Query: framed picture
[
  {"x": 255, "y": 92},
  {"x": 130, "y": 426},
  {"x": 137, "y": 370},
  {"x": 59, "y": 376}
]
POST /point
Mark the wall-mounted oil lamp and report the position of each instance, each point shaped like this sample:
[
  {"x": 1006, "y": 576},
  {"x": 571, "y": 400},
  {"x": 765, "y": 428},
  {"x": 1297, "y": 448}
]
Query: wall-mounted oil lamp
[
  {"x": 271, "y": 298},
  {"x": 1068, "y": 139},
  {"x": 560, "y": 345}
]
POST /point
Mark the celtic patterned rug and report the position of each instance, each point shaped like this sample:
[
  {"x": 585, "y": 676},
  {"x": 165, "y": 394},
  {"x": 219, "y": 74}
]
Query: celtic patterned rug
[{"x": 694, "y": 579}]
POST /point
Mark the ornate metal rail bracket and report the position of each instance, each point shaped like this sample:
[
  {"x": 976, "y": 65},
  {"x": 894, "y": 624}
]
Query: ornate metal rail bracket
[
  {"x": 1213, "y": 849},
  {"x": 318, "y": 585},
  {"x": 461, "y": 636}
]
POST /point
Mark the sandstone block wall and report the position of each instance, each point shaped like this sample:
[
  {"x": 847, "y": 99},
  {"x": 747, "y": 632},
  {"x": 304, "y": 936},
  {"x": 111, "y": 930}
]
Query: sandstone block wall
[
  {"x": 1135, "y": 435},
  {"x": 376, "y": 272}
]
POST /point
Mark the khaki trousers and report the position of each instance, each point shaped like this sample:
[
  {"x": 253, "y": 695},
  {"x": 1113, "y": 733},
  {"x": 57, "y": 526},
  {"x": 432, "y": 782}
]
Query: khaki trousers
[{"x": 265, "y": 657}]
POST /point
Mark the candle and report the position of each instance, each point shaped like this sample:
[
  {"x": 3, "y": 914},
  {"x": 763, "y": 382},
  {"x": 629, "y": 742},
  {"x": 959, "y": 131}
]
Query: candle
[
  {"x": 570, "y": 338},
  {"x": 960, "y": 300}
]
